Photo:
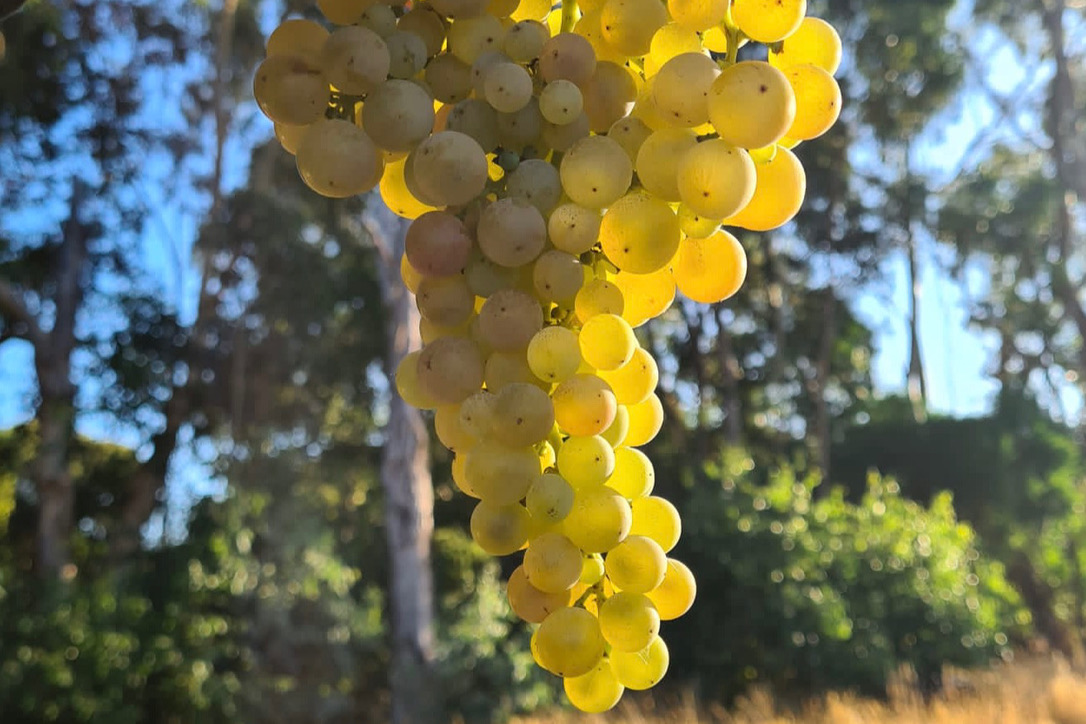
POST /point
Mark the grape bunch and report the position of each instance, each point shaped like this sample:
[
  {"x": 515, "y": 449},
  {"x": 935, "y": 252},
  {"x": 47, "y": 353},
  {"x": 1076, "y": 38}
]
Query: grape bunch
[{"x": 568, "y": 170}]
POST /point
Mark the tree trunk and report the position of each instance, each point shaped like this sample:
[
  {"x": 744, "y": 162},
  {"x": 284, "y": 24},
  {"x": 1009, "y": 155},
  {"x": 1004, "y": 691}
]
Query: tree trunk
[
  {"x": 916, "y": 384},
  {"x": 824, "y": 366},
  {"x": 731, "y": 373},
  {"x": 409, "y": 497}
]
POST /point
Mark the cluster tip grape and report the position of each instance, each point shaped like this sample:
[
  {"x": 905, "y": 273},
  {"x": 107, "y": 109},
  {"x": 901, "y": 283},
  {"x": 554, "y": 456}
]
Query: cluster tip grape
[{"x": 568, "y": 170}]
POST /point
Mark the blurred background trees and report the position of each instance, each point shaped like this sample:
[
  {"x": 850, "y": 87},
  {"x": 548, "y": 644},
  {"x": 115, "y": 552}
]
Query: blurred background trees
[{"x": 191, "y": 498}]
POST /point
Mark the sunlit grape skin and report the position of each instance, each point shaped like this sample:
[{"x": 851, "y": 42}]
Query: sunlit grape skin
[{"x": 566, "y": 178}]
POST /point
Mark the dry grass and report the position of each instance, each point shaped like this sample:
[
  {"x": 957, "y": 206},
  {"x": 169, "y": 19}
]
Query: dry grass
[{"x": 1037, "y": 691}]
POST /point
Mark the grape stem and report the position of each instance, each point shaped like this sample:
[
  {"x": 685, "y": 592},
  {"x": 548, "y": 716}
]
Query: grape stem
[
  {"x": 595, "y": 590},
  {"x": 569, "y": 15},
  {"x": 732, "y": 34}
]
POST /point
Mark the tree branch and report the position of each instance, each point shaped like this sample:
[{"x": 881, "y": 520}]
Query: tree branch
[{"x": 15, "y": 313}]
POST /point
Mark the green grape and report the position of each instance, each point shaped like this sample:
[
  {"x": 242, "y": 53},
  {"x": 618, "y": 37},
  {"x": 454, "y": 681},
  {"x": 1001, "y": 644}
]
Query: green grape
[
  {"x": 616, "y": 433},
  {"x": 567, "y": 56},
  {"x": 557, "y": 277},
  {"x": 485, "y": 278},
  {"x": 380, "y": 19},
  {"x": 710, "y": 270},
  {"x": 520, "y": 130},
  {"x": 398, "y": 114},
  {"x": 511, "y": 232},
  {"x": 646, "y": 419},
  {"x": 815, "y": 42},
  {"x": 407, "y": 383},
  {"x": 584, "y": 405},
  {"x": 550, "y": 499},
  {"x": 337, "y": 159},
  {"x": 425, "y": 22},
  {"x": 768, "y": 21},
  {"x": 552, "y": 562},
  {"x": 599, "y": 521},
  {"x": 528, "y": 602},
  {"x": 630, "y": 133},
  {"x": 634, "y": 381},
  {"x": 634, "y": 476},
  {"x": 670, "y": 40},
  {"x": 449, "y": 78},
  {"x": 751, "y": 104},
  {"x": 640, "y": 232},
  {"x": 596, "y": 172},
  {"x": 523, "y": 415},
  {"x": 574, "y": 229},
  {"x": 586, "y": 460},
  {"x": 656, "y": 518},
  {"x": 592, "y": 570},
  {"x": 525, "y": 40},
  {"x": 477, "y": 414},
  {"x": 304, "y": 37},
  {"x": 342, "y": 12},
  {"x": 471, "y": 37},
  {"x": 561, "y": 138},
  {"x": 459, "y": 475},
  {"x": 778, "y": 193},
  {"x": 569, "y": 642},
  {"x": 535, "y": 181},
  {"x": 675, "y": 595},
  {"x": 355, "y": 59},
  {"x": 445, "y": 301},
  {"x": 508, "y": 87},
  {"x": 450, "y": 369},
  {"x": 501, "y": 475},
  {"x": 438, "y": 244},
  {"x": 476, "y": 119},
  {"x": 509, "y": 319},
  {"x": 554, "y": 354},
  {"x": 407, "y": 54},
  {"x": 561, "y": 102},
  {"x": 598, "y": 297},
  {"x": 818, "y": 101},
  {"x": 609, "y": 95},
  {"x": 291, "y": 89},
  {"x": 450, "y": 430},
  {"x": 640, "y": 670},
  {"x": 681, "y": 89},
  {"x": 636, "y": 565},
  {"x": 508, "y": 368},
  {"x": 648, "y": 295},
  {"x": 500, "y": 529},
  {"x": 628, "y": 25},
  {"x": 697, "y": 15},
  {"x": 629, "y": 621},
  {"x": 607, "y": 341},
  {"x": 715, "y": 179},
  {"x": 658, "y": 160},
  {"x": 595, "y": 692}
]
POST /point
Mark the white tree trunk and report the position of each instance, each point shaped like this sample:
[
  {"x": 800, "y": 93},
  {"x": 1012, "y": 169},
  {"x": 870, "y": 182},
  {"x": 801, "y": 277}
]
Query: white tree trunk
[{"x": 409, "y": 496}]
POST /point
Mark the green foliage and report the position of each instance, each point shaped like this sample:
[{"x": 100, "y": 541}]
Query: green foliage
[{"x": 806, "y": 591}]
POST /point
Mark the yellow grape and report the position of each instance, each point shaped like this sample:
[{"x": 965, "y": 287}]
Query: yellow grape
[
  {"x": 297, "y": 36},
  {"x": 608, "y": 95},
  {"x": 552, "y": 563},
  {"x": 715, "y": 179},
  {"x": 445, "y": 301},
  {"x": 751, "y": 104},
  {"x": 504, "y": 368},
  {"x": 459, "y": 476},
  {"x": 592, "y": 571},
  {"x": 586, "y": 460},
  {"x": 469, "y": 38},
  {"x": 636, "y": 565},
  {"x": 355, "y": 59},
  {"x": 646, "y": 419},
  {"x": 628, "y": 25},
  {"x": 550, "y": 499},
  {"x": 599, "y": 520},
  {"x": 407, "y": 383},
  {"x": 509, "y": 319},
  {"x": 815, "y": 42},
  {"x": 697, "y": 15},
  {"x": 629, "y": 621},
  {"x": 640, "y": 670},
  {"x": 342, "y": 12},
  {"x": 557, "y": 277},
  {"x": 818, "y": 101},
  {"x": 607, "y": 341},
  {"x": 337, "y": 159},
  {"x": 595, "y": 692},
  {"x": 584, "y": 405},
  {"x": 438, "y": 244},
  {"x": 500, "y": 529},
  {"x": 531, "y": 10},
  {"x": 501, "y": 475},
  {"x": 380, "y": 19},
  {"x": 291, "y": 89},
  {"x": 699, "y": 227},
  {"x": 656, "y": 518},
  {"x": 595, "y": 172},
  {"x": 658, "y": 160},
  {"x": 616, "y": 433},
  {"x": 649, "y": 295},
  {"x": 451, "y": 431},
  {"x": 670, "y": 40},
  {"x": 396, "y": 195},
  {"x": 567, "y": 56},
  {"x": 640, "y": 232},
  {"x": 569, "y": 642},
  {"x": 508, "y": 87},
  {"x": 477, "y": 414},
  {"x": 450, "y": 369},
  {"x": 768, "y": 21},
  {"x": 630, "y": 133},
  {"x": 681, "y": 89},
  {"x": 634, "y": 476},
  {"x": 778, "y": 194},
  {"x": 523, "y": 414},
  {"x": 598, "y": 296},
  {"x": 425, "y": 22},
  {"x": 554, "y": 354},
  {"x": 528, "y": 602},
  {"x": 561, "y": 102},
  {"x": 524, "y": 41},
  {"x": 675, "y": 595},
  {"x": 590, "y": 29},
  {"x": 398, "y": 114},
  {"x": 710, "y": 270},
  {"x": 634, "y": 381}
]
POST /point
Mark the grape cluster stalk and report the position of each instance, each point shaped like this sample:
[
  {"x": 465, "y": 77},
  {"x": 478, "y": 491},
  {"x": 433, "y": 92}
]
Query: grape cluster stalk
[{"x": 568, "y": 170}]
